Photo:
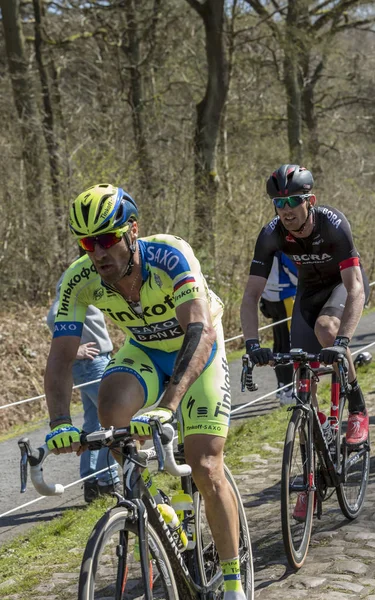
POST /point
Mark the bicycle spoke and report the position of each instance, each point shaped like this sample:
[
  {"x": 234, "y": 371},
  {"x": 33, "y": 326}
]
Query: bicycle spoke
[
  {"x": 209, "y": 562},
  {"x": 132, "y": 582},
  {"x": 296, "y": 497},
  {"x": 111, "y": 568},
  {"x": 355, "y": 463}
]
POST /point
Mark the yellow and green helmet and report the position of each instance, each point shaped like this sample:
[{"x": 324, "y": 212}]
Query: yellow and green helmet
[{"x": 100, "y": 209}]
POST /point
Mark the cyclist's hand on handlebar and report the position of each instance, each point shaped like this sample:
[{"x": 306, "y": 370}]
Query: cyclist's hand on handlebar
[
  {"x": 330, "y": 355},
  {"x": 140, "y": 425},
  {"x": 258, "y": 356},
  {"x": 64, "y": 438}
]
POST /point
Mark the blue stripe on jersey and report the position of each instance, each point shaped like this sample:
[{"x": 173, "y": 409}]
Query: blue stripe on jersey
[
  {"x": 67, "y": 328},
  {"x": 165, "y": 257}
]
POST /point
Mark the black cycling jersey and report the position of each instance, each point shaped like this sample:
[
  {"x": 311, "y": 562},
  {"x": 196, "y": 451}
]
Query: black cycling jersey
[{"x": 319, "y": 257}]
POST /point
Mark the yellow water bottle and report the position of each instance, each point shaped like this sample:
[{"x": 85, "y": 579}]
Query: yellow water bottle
[
  {"x": 184, "y": 507},
  {"x": 170, "y": 517}
]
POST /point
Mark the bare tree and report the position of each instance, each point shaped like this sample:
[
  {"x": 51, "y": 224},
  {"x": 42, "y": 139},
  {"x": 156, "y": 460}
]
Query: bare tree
[
  {"x": 134, "y": 37},
  {"x": 24, "y": 99},
  {"x": 209, "y": 114},
  {"x": 48, "y": 120},
  {"x": 306, "y": 30}
]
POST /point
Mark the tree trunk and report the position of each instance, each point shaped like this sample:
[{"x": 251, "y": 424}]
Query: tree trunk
[
  {"x": 224, "y": 133},
  {"x": 132, "y": 50},
  {"x": 48, "y": 124},
  {"x": 209, "y": 114},
  {"x": 292, "y": 85},
  {"x": 24, "y": 102},
  {"x": 313, "y": 144}
]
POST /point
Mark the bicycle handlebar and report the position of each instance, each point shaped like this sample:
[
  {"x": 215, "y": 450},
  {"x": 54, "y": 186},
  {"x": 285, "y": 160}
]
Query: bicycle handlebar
[
  {"x": 163, "y": 435},
  {"x": 36, "y": 458},
  {"x": 296, "y": 355}
]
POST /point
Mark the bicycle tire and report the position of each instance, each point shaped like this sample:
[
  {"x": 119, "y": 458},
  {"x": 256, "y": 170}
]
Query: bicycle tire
[
  {"x": 296, "y": 531},
  {"x": 351, "y": 493},
  {"x": 206, "y": 554},
  {"x": 102, "y": 568}
]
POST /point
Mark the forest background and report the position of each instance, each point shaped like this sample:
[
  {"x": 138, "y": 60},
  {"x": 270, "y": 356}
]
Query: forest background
[{"x": 188, "y": 105}]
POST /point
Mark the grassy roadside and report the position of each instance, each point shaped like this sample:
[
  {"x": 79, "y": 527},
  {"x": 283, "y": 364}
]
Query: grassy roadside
[{"x": 57, "y": 547}]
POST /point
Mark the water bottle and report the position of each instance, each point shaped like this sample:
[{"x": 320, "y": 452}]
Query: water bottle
[
  {"x": 327, "y": 430},
  {"x": 171, "y": 519},
  {"x": 184, "y": 507}
]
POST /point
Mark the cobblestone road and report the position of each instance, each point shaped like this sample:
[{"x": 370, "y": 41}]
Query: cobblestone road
[{"x": 341, "y": 560}]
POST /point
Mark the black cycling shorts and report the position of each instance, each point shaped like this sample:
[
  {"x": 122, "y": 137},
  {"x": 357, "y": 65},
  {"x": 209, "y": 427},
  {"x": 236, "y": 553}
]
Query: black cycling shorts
[{"x": 309, "y": 305}]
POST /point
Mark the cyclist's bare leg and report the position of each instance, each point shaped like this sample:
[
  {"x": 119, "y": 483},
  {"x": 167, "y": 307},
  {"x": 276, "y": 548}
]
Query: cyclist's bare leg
[
  {"x": 204, "y": 453},
  {"x": 120, "y": 397},
  {"x": 326, "y": 328}
]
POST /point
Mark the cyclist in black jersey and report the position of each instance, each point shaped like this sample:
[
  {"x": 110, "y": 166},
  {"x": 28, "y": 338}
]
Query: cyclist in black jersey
[{"x": 331, "y": 283}]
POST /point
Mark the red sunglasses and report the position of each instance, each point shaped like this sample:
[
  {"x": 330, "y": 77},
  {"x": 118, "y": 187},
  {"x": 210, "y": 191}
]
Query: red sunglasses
[{"x": 106, "y": 240}]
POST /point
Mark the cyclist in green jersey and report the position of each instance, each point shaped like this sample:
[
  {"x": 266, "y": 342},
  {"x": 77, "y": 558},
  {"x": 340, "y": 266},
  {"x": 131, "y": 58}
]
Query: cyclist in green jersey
[{"x": 153, "y": 289}]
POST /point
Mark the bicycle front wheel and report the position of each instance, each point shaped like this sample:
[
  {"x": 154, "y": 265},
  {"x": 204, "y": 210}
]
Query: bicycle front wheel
[
  {"x": 206, "y": 553},
  {"x": 297, "y": 499},
  {"x": 355, "y": 467},
  {"x": 111, "y": 568}
]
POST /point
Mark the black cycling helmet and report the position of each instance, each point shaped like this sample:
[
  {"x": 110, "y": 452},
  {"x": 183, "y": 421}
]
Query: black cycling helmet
[{"x": 289, "y": 180}]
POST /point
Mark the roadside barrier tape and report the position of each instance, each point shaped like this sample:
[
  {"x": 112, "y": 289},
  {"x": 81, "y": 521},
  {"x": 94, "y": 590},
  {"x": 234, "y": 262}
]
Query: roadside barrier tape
[
  {"x": 235, "y": 410},
  {"x": 81, "y": 385},
  {"x": 12, "y": 510}
]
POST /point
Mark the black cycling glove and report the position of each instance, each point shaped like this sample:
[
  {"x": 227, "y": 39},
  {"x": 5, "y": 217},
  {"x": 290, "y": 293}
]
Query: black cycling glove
[
  {"x": 329, "y": 355},
  {"x": 258, "y": 356}
]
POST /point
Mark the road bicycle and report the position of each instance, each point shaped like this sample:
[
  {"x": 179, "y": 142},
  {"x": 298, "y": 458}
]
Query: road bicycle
[
  {"x": 132, "y": 554},
  {"x": 315, "y": 465}
]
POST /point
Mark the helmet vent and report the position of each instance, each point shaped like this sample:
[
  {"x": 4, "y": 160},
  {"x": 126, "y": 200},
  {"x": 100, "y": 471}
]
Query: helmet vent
[
  {"x": 120, "y": 213},
  {"x": 102, "y": 226},
  {"x": 75, "y": 212},
  {"x": 85, "y": 212},
  {"x": 276, "y": 183}
]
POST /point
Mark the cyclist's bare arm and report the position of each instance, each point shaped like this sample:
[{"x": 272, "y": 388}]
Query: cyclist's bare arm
[
  {"x": 352, "y": 279},
  {"x": 200, "y": 335},
  {"x": 58, "y": 377},
  {"x": 249, "y": 306}
]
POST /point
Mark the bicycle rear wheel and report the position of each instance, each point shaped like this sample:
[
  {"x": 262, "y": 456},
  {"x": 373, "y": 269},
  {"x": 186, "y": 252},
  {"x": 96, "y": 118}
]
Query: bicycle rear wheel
[
  {"x": 206, "y": 553},
  {"x": 111, "y": 568},
  {"x": 297, "y": 499},
  {"x": 355, "y": 463}
]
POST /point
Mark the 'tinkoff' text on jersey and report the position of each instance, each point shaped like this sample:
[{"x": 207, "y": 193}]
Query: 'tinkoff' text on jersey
[{"x": 171, "y": 275}]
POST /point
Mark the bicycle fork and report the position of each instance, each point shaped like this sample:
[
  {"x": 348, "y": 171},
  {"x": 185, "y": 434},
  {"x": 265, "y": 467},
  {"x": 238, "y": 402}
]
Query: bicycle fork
[{"x": 304, "y": 394}]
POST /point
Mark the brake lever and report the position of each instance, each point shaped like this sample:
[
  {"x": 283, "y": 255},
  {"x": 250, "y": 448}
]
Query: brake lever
[
  {"x": 24, "y": 446},
  {"x": 247, "y": 375},
  {"x": 343, "y": 367},
  {"x": 157, "y": 431}
]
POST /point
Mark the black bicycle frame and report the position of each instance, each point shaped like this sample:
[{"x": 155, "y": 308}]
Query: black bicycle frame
[
  {"x": 139, "y": 497},
  {"x": 331, "y": 471}
]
